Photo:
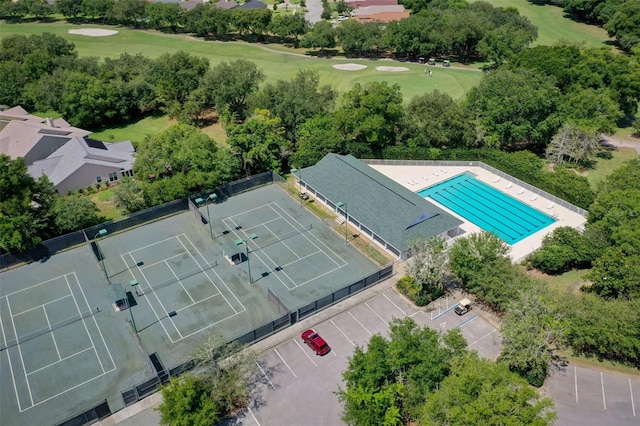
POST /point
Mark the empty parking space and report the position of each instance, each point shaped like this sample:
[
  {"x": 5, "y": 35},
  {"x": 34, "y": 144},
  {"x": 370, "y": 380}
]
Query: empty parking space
[
  {"x": 593, "y": 397},
  {"x": 296, "y": 382}
]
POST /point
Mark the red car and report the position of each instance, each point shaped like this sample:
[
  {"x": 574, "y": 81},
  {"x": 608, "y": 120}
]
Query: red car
[{"x": 315, "y": 342}]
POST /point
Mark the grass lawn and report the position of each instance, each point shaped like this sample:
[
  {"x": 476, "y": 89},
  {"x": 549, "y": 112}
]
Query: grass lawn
[
  {"x": 135, "y": 131},
  {"x": 571, "y": 280},
  {"x": 102, "y": 200},
  {"x": 275, "y": 64},
  {"x": 604, "y": 168},
  {"x": 554, "y": 27}
]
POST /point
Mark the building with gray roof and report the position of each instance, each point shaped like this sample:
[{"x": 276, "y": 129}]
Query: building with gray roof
[{"x": 385, "y": 211}]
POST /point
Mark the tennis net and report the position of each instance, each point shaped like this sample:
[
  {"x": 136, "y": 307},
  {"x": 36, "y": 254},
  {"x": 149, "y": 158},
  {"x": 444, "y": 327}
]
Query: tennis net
[
  {"x": 177, "y": 278},
  {"x": 262, "y": 242},
  {"x": 9, "y": 343}
]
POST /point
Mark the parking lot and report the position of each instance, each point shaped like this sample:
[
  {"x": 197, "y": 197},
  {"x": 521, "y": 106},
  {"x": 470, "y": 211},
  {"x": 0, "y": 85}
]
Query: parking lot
[
  {"x": 588, "y": 396},
  {"x": 298, "y": 386}
]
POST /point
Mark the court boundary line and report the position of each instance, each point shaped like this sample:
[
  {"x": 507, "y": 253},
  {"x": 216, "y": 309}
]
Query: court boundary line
[
  {"x": 288, "y": 219},
  {"x": 189, "y": 252},
  {"x": 50, "y": 331}
]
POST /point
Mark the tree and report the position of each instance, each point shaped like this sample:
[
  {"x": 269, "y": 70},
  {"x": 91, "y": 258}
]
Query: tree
[
  {"x": 25, "y": 205},
  {"x": 591, "y": 108},
  {"x": 429, "y": 258},
  {"x": 515, "y": 109},
  {"x": 229, "y": 84},
  {"x": 186, "y": 402},
  {"x": 295, "y": 101},
  {"x": 358, "y": 39},
  {"x": 624, "y": 25},
  {"x": 317, "y": 137},
  {"x": 532, "y": 329},
  {"x": 615, "y": 275},
  {"x": 440, "y": 121},
  {"x": 175, "y": 77},
  {"x": 370, "y": 116},
  {"x": 604, "y": 329},
  {"x": 160, "y": 15},
  {"x": 505, "y": 41},
  {"x": 204, "y": 20},
  {"x": 128, "y": 196},
  {"x": 469, "y": 255},
  {"x": 258, "y": 142},
  {"x": 218, "y": 386},
  {"x": 390, "y": 380},
  {"x": 289, "y": 26},
  {"x": 322, "y": 36},
  {"x": 68, "y": 8},
  {"x": 73, "y": 213},
  {"x": 481, "y": 392},
  {"x": 572, "y": 143}
]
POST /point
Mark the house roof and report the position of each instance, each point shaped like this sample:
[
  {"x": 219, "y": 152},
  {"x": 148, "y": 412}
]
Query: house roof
[
  {"x": 24, "y": 132},
  {"x": 364, "y": 3},
  {"x": 226, "y": 5},
  {"x": 383, "y": 17},
  {"x": 253, "y": 4},
  {"x": 370, "y": 10},
  {"x": 387, "y": 208},
  {"x": 80, "y": 152}
]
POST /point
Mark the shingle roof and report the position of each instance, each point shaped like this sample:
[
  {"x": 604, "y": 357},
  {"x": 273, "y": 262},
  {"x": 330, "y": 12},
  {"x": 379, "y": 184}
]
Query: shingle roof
[
  {"x": 372, "y": 10},
  {"x": 253, "y": 4},
  {"x": 376, "y": 201},
  {"x": 383, "y": 17},
  {"x": 76, "y": 154},
  {"x": 226, "y": 5}
]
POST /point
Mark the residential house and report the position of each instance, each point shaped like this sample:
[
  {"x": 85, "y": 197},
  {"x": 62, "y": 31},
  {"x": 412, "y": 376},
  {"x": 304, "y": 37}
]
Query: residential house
[{"x": 64, "y": 153}]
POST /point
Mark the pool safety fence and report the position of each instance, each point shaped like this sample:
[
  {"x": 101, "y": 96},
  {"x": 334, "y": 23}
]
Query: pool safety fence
[
  {"x": 54, "y": 245},
  {"x": 499, "y": 173}
]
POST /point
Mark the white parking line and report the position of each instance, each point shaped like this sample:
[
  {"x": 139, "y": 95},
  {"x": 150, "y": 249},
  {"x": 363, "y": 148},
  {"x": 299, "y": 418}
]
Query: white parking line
[
  {"x": 486, "y": 335},
  {"x": 254, "y": 417},
  {"x": 377, "y": 314},
  {"x": 362, "y": 325},
  {"x": 285, "y": 362},
  {"x": 304, "y": 352},
  {"x": 265, "y": 375},
  {"x": 397, "y": 307},
  {"x": 604, "y": 402},
  {"x": 633, "y": 407},
  {"x": 575, "y": 381},
  {"x": 341, "y": 332}
]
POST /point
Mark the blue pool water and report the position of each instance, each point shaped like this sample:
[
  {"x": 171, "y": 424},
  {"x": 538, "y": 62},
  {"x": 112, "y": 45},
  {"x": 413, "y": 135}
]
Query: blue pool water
[{"x": 488, "y": 208}]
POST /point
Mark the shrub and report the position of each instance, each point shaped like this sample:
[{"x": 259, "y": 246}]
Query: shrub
[{"x": 407, "y": 286}]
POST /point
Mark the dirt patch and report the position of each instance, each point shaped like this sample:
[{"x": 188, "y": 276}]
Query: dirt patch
[
  {"x": 349, "y": 67},
  {"x": 93, "y": 32},
  {"x": 392, "y": 69}
]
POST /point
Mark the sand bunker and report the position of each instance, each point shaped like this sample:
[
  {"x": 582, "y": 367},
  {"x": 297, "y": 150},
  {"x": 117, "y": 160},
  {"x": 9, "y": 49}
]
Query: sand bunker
[
  {"x": 392, "y": 69},
  {"x": 93, "y": 32},
  {"x": 349, "y": 67}
]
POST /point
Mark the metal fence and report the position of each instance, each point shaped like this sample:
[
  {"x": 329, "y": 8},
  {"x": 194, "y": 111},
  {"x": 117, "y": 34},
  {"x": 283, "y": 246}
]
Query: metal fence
[
  {"x": 64, "y": 242},
  {"x": 90, "y": 416},
  {"x": 503, "y": 175},
  {"x": 290, "y": 317}
]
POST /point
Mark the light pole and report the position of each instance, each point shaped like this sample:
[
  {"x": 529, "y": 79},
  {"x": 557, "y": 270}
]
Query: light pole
[
  {"x": 132, "y": 284},
  {"x": 346, "y": 221},
  {"x": 101, "y": 233},
  {"x": 246, "y": 244},
  {"x": 299, "y": 172}
]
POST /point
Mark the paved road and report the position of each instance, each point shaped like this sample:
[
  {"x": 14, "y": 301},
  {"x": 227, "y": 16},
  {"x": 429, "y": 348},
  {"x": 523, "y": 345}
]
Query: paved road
[{"x": 314, "y": 11}]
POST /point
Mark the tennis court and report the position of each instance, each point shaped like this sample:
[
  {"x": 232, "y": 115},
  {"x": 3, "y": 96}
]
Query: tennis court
[
  {"x": 62, "y": 348},
  {"x": 47, "y": 327},
  {"x": 72, "y": 338},
  {"x": 281, "y": 243}
]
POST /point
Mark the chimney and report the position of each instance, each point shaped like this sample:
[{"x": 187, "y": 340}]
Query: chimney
[{"x": 50, "y": 122}]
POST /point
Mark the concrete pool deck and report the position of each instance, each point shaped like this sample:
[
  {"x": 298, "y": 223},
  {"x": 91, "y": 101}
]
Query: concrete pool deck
[{"x": 419, "y": 177}]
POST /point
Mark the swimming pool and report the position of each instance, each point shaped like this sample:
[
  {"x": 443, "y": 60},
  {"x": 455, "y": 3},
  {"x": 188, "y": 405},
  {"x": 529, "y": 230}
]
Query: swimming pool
[{"x": 488, "y": 208}]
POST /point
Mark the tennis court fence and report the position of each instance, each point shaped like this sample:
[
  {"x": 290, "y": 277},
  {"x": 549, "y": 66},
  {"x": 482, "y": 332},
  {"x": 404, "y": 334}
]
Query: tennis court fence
[
  {"x": 287, "y": 318},
  {"x": 90, "y": 416},
  {"x": 54, "y": 245}
]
